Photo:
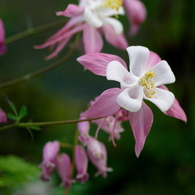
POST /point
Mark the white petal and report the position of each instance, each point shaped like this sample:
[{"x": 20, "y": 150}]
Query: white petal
[
  {"x": 138, "y": 56},
  {"x": 117, "y": 25},
  {"x": 163, "y": 99},
  {"x": 106, "y": 11},
  {"x": 131, "y": 99},
  {"x": 117, "y": 72},
  {"x": 91, "y": 19},
  {"x": 163, "y": 73}
]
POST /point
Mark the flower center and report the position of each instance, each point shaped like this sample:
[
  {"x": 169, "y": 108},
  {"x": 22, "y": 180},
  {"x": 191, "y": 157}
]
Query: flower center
[
  {"x": 148, "y": 82},
  {"x": 114, "y": 4}
]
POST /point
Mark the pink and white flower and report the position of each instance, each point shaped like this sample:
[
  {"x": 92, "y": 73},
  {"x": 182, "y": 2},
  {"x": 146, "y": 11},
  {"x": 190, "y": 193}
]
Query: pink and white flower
[
  {"x": 3, "y": 48},
  {"x": 145, "y": 80},
  {"x": 93, "y": 17}
]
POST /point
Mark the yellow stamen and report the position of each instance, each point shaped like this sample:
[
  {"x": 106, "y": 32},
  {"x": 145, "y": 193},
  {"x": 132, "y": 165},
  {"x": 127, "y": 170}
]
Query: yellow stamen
[
  {"x": 114, "y": 4},
  {"x": 148, "y": 82}
]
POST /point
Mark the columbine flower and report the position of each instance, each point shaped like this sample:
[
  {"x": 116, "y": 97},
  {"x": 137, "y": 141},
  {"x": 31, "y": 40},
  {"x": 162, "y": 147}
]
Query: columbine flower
[
  {"x": 81, "y": 162},
  {"x": 3, "y": 48},
  {"x": 98, "y": 156},
  {"x": 146, "y": 80},
  {"x": 50, "y": 152},
  {"x": 93, "y": 17}
]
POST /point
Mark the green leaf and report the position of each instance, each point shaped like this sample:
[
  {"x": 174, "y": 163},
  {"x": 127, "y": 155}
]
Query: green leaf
[
  {"x": 12, "y": 116},
  {"x": 12, "y": 107},
  {"x": 15, "y": 171},
  {"x": 23, "y": 112}
]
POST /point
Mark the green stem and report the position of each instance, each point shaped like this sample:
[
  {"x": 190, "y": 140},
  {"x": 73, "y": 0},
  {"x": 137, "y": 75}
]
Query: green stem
[
  {"x": 54, "y": 122},
  {"x": 33, "y": 31},
  {"x": 43, "y": 70},
  {"x": 45, "y": 123}
]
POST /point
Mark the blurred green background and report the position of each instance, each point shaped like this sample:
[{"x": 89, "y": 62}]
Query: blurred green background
[{"x": 167, "y": 163}]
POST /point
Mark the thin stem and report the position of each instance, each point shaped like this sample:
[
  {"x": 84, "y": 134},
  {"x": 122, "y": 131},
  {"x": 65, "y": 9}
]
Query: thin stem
[
  {"x": 46, "y": 123},
  {"x": 66, "y": 191},
  {"x": 55, "y": 122},
  {"x": 33, "y": 31},
  {"x": 8, "y": 126},
  {"x": 43, "y": 70}
]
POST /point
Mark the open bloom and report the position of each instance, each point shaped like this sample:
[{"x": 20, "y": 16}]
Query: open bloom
[
  {"x": 93, "y": 17},
  {"x": 145, "y": 80},
  {"x": 3, "y": 48}
]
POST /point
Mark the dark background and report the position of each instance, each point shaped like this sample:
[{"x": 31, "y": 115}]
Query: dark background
[{"x": 167, "y": 162}]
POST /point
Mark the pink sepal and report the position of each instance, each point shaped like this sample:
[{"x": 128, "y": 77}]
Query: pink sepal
[
  {"x": 98, "y": 62},
  {"x": 141, "y": 123},
  {"x": 105, "y": 105},
  {"x": 71, "y": 11},
  {"x": 136, "y": 13},
  {"x": 175, "y": 110},
  {"x": 92, "y": 39},
  {"x": 118, "y": 41}
]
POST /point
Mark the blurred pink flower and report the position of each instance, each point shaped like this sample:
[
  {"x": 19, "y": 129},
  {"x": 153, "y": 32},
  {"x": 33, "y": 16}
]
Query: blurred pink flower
[
  {"x": 136, "y": 13},
  {"x": 3, "y": 116},
  {"x": 146, "y": 79},
  {"x": 93, "y": 17},
  {"x": 50, "y": 152},
  {"x": 81, "y": 162},
  {"x": 3, "y": 48}
]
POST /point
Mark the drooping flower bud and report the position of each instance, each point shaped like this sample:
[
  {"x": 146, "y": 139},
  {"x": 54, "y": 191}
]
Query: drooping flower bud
[
  {"x": 50, "y": 152},
  {"x": 81, "y": 162},
  {"x": 3, "y": 48},
  {"x": 3, "y": 116},
  {"x": 98, "y": 156},
  {"x": 63, "y": 165},
  {"x": 83, "y": 128}
]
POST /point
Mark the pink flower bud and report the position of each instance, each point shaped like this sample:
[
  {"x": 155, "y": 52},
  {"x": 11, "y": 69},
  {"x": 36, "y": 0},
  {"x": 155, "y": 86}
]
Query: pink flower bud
[
  {"x": 83, "y": 128},
  {"x": 3, "y": 116},
  {"x": 63, "y": 165},
  {"x": 3, "y": 48},
  {"x": 81, "y": 162},
  {"x": 50, "y": 152},
  {"x": 98, "y": 156}
]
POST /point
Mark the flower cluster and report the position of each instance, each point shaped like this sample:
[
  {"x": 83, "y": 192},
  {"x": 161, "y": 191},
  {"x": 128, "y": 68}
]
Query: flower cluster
[{"x": 95, "y": 151}]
